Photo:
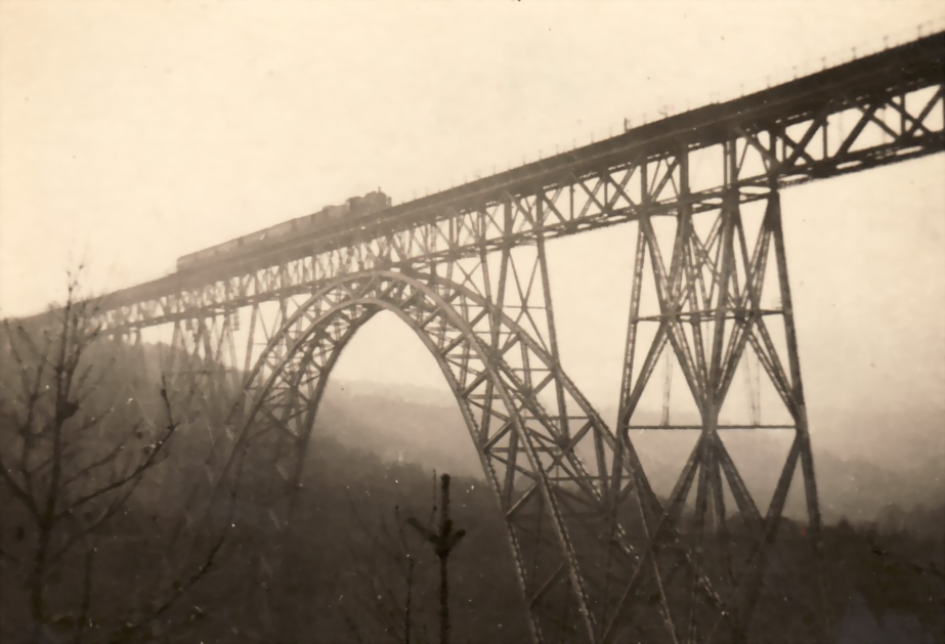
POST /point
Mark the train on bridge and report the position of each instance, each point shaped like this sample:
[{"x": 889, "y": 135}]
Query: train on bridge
[{"x": 354, "y": 207}]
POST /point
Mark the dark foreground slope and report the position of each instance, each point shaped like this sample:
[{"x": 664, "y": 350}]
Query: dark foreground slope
[
  {"x": 348, "y": 584},
  {"x": 345, "y": 575}
]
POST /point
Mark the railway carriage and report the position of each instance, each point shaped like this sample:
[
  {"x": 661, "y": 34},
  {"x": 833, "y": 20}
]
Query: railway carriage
[{"x": 354, "y": 207}]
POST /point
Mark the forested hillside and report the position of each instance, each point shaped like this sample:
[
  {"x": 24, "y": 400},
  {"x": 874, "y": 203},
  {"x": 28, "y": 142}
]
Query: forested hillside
[
  {"x": 403, "y": 423},
  {"x": 345, "y": 567}
]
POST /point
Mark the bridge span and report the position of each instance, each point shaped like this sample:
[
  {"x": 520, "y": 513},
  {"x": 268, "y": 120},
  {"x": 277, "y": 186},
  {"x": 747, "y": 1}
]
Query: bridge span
[
  {"x": 599, "y": 555},
  {"x": 784, "y": 136}
]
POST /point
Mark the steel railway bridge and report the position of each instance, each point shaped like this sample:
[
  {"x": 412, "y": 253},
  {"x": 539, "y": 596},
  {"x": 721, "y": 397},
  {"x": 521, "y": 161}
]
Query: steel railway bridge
[{"x": 600, "y": 556}]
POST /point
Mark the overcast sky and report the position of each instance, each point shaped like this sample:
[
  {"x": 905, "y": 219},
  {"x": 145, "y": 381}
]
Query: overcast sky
[{"x": 134, "y": 132}]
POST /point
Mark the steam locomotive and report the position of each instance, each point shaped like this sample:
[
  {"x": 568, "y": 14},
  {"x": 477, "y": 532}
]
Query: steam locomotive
[{"x": 370, "y": 203}]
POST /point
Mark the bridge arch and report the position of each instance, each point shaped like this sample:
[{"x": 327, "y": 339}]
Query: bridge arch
[{"x": 555, "y": 507}]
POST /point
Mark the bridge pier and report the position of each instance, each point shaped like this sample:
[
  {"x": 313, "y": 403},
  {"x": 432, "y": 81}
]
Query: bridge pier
[
  {"x": 716, "y": 302},
  {"x": 600, "y": 556}
]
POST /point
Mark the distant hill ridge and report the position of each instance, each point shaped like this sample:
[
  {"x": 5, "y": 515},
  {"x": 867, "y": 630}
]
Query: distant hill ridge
[
  {"x": 409, "y": 423},
  {"x": 858, "y": 477}
]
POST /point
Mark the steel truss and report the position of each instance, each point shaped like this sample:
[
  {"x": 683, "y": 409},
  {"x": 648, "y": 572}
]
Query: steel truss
[
  {"x": 570, "y": 550},
  {"x": 599, "y": 555},
  {"x": 873, "y": 114},
  {"x": 711, "y": 314},
  {"x": 490, "y": 326},
  {"x": 593, "y": 544}
]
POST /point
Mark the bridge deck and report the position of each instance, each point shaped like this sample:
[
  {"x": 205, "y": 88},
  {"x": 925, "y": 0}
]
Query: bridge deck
[{"x": 876, "y": 80}]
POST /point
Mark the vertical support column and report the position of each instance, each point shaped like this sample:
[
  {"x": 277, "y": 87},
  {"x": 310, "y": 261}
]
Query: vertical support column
[
  {"x": 803, "y": 431},
  {"x": 624, "y": 452},
  {"x": 550, "y": 319},
  {"x": 709, "y": 317},
  {"x": 503, "y": 280},
  {"x": 497, "y": 298}
]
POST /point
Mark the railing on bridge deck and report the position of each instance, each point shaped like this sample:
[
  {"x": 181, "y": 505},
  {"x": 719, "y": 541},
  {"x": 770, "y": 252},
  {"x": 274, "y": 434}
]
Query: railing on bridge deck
[{"x": 782, "y": 126}]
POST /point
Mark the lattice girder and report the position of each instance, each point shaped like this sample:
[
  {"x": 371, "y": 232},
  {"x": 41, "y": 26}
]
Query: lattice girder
[
  {"x": 835, "y": 130},
  {"x": 572, "y": 539},
  {"x": 720, "y": 299}
]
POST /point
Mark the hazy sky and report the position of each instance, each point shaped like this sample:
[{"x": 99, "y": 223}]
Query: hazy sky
[{"x": 134, "y": 132}]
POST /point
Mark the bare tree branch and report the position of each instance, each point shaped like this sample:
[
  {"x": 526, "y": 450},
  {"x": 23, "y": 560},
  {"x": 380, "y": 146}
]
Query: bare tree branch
[
  {"x": 179, "y": 590},
  {"x": 105, "y": 459},
  {"x": 18, "y": 492},
  {"x": 125, "y": 478},
  {"x": 361, "y": 524},
  {"x": 88, "y": 564},
  {"x": 71, "y": 495}
]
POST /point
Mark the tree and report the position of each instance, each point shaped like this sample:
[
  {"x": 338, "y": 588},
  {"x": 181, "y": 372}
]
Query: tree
[
  {"x": 71, "y": 460},
  {"x": 391, "y": 554},
  {"x": 395, "y": 560},
  {"x": 443, "y": 542}
]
